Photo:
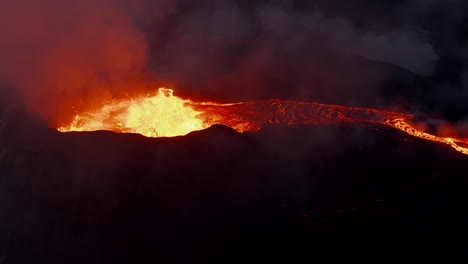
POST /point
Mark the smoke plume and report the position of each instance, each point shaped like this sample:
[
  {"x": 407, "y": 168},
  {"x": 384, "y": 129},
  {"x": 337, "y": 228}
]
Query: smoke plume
[{"x": 63, "y": 55}]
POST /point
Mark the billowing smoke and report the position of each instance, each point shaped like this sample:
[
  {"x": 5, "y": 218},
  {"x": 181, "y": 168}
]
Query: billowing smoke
[
  {"x": 82, "y": 198},
  {"x": 61, "y": 55},
  {"x": 275, "y": 49},
  {"x": 57, "y": 53}
]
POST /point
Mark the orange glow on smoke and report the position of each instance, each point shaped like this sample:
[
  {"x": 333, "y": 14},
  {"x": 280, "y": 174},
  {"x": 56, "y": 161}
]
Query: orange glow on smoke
[{"x": 165, "y": 115}]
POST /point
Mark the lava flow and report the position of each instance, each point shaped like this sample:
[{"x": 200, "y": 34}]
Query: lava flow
[{"x": 165, "y": 115}]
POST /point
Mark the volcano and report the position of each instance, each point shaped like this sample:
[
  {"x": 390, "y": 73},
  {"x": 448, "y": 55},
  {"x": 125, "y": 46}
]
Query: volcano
[
  {"x": 232, "y": 131},
  {"x": 117, "y": 198},
  {"x": 167, "y": 115}
]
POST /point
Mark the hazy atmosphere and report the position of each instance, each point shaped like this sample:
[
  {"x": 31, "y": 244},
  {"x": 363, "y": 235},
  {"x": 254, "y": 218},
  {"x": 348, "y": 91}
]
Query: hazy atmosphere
[{"x": 308, "y": 130}]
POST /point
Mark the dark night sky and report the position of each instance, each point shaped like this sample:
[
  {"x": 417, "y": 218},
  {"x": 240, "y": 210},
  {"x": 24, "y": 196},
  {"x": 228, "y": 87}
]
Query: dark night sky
[{"x": 305, "y": 193}]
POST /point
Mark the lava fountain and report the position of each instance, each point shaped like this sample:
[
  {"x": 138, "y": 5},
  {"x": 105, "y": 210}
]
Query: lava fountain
[
  {"x": 162, "y": 115},
  {"x": 165, "y": 115}
]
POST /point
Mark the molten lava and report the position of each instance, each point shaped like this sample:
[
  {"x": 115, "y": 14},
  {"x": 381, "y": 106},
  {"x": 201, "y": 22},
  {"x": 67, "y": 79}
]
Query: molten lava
[
  {"x": 162, "y": 115},
  {"x": 165, "y": 115}
]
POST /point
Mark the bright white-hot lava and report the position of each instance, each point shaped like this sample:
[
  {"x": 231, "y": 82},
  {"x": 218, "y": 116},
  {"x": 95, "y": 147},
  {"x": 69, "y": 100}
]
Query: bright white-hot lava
[
  {"x": 165, "y": 115},
  {"x": 161, "y": 115}
]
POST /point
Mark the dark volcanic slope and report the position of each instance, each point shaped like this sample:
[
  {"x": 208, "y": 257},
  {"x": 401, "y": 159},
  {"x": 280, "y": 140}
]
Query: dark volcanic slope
[{"x": 323, "y": 192}]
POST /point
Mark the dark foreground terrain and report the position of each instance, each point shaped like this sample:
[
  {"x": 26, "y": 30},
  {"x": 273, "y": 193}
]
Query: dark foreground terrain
[{"x": 298, "y": 194}]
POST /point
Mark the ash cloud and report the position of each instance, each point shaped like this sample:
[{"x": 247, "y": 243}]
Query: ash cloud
[
  {"x": 297, "y": 53},
  {"x": 57, "y": 53},
  {"x": 447, "y": 22},
  {"x": 63, "y": 54},
  {"x": 83, "y": 197},
  {"x": 444, "y": 26}
]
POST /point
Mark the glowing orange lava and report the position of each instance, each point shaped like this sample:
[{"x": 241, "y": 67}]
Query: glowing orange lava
[
  {"x": 165, "y": 115},
  {"x": 162, "y": 115}
]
